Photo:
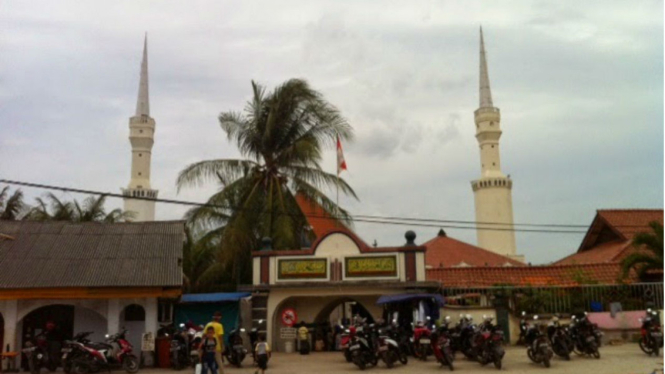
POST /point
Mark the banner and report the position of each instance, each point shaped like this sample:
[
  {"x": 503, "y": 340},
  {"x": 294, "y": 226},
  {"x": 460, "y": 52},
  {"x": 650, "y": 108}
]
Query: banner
[
  {"x": 383, "y": 266},
  {"x": 303, "y": 269}
]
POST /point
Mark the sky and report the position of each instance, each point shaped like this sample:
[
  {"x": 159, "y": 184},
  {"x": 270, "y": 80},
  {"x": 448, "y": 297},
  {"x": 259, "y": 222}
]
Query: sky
[{"x": 579, "y": 85}]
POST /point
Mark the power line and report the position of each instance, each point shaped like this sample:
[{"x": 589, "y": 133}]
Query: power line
[{"x": 403, "y": 221}]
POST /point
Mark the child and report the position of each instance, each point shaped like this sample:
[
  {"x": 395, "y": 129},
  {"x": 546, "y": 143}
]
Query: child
[
  {"x": 207, "y": 352},
  {"x": 262, "y": 353}
]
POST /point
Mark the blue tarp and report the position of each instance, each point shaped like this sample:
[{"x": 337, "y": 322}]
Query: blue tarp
[
  {"x": 219, "y": 297},
  {"x": 388, "y": 299}
]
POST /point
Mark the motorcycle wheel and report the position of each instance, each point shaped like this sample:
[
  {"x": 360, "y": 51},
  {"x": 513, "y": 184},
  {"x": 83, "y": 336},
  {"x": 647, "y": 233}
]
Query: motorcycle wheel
[
  {"x": 656, "y": 350},
  {"x": 529, "y": 352},
  {"x": 546, "y": 361},
  {"x": 497, "y": 363},
  {"x": 130, "y": 364},
  {"x": 645, "y": 347},
  {"x": 347, "y": 355},
  {"x": 175, "y": 361},
  {"x": 80, "y": 368},
  {"x": 596, "y": 353},
  {"x": 33, "y": 365},
  {"x": 388, "y": 359},
  {"x": 52, "y": 366},
  {"x": 403, "y": 358},
  {"x": 423, "y": 354},
  {"x": 360, "y": 363},
  {"x": 448, "y": 357},
  {"x": 67, "y": 366}
]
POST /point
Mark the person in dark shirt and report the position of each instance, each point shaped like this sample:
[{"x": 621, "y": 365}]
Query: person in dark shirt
[{"x": 207, "y": 352}]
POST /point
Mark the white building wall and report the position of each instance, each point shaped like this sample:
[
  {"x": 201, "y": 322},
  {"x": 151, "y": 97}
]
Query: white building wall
[{"x": 89, "y": 320}]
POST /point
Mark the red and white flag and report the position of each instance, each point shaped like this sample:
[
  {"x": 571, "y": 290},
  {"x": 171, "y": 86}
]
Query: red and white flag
[{"x": 341, "y": 163}]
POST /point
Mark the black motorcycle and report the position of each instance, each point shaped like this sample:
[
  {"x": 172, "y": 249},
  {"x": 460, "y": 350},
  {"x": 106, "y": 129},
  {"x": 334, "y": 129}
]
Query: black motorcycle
[
  {"x": 651, "y": 334},
  {"x": 441, "y": 345},
  {"x": 235, "y": 351},
  {"x": 181, "y": 356},
  {"x": 362, "y": 349},
  {"x": 538, "y": 346},
  {"x": 585, "y": 336},
  {"x": 562, "y": 344}
]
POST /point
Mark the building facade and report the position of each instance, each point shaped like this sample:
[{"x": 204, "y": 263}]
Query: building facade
[
  {"x": 141, "y": 136},
  {"x": 493, "y": 191}
]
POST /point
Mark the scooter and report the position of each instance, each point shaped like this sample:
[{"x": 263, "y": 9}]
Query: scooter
[
  {"x": 538, "y": 346},
  {"x": 422, "y": 341},
  {"x": 235, "y": 352},
  {"x": 488, "y": 343},
  {"x": 441, "y": 344},
  {"x": 387, "y": 348},
  {"x": 362, "y": 352},
  {"x": 562, "y": 344},
  {"x": 73, "y": 349},
  {"x": 115, "y": 353}
]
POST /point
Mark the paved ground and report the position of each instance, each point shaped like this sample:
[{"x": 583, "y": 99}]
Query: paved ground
[{"x": 623, "y": 359}]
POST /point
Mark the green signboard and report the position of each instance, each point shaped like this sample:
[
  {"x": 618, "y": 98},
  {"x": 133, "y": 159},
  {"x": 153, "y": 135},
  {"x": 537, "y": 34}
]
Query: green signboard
[
  {"x": 303, "y": 269},
  {"x": 374, "y": 266}
]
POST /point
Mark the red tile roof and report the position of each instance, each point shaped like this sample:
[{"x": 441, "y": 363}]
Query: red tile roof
[
  {"x": 443, "y": 251},
  {"x": 321, "y": 222},
  {"x": 609, "y": 236},
  {"x": 629, "y": 222},
  {"x": 552, "y": 275}
]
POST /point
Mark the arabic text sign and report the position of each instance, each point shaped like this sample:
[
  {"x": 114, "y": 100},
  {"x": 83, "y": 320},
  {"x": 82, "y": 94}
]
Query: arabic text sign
[
  {"x": 382, "y": 266},
  {"x": 303, "y": 269}
]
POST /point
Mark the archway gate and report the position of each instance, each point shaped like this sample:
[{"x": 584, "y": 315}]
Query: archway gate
[{"x": 338, "y": 267}]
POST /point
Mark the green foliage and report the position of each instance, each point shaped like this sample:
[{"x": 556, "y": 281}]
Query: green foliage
[
  {"x": 649, "y": 256},
  {"x": 281, "y": 136},
  {"x": 11, "y": 207}
]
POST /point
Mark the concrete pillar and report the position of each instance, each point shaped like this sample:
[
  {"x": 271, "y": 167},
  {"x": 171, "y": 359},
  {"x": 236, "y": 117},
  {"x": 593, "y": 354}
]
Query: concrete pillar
[
  {"x": 10, "y": 315},
  {"x": 151, "y": 324},
  {"x": 113, "y": 316}
]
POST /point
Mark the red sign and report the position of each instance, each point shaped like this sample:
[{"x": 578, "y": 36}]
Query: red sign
[{"x": 289, "y": 317}]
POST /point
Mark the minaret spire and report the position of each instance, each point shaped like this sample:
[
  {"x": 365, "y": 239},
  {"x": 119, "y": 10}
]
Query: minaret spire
[
  {"x": 143, "y": 102},
  {"x": 485, "y": 92}
]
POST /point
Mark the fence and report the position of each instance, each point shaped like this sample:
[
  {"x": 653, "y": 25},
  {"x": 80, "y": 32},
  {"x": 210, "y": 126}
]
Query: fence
[{"x": 555, "y": 299}]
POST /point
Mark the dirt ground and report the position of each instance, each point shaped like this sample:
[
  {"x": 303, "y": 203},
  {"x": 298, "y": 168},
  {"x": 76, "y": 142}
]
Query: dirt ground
[{"x": 623, "y": 359}]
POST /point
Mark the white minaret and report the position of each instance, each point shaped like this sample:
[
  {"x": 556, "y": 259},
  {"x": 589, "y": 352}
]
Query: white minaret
[
  {"x": 141, "y": 136},
  {"x": 493, "y": 191}
]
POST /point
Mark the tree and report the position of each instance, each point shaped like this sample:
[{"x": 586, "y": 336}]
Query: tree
[
  {"x": 51, "y": 208},
  {"x": 649, "y": 254},
  {"x": 11, "y": 207},
  {"x": 281, "y": 136}
]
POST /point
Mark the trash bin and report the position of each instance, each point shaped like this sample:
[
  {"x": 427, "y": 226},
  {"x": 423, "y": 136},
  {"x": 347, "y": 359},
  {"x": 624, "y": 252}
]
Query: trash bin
[
  {"x": 288, "y": 347},
  {"x": 163, "y": 347}
]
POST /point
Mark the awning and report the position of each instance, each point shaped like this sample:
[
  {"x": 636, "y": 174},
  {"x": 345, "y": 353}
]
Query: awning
[
  {"x": 213, "y": 297},
  {"x": 388, "y": 299}
]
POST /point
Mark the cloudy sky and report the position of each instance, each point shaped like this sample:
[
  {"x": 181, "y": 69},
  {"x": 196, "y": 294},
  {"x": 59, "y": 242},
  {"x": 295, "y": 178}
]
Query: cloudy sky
[{"x": 579, "y": 85}]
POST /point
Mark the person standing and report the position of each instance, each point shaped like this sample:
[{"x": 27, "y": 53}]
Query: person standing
[
  {"x": 303, "y": 337},
  {"x": 262, "y": 353},
  {"x": 217, "y": 326},
  {"x": 207, "y": 352}
]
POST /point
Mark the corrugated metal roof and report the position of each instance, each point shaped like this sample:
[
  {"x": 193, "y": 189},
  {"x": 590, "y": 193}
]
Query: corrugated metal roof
[{"x": 61, "y": 254}]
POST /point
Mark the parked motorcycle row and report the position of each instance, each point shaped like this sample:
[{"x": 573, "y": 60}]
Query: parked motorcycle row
[
  {"x": 81, "y": 356},
  {"x": 367, "y": 344}
]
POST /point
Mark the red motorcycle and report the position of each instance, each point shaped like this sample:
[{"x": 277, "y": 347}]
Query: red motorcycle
[
  {"x": 422, "y": 342},
  {"x": 115, "y": 353},
  {"x": 345, "y": 340}
]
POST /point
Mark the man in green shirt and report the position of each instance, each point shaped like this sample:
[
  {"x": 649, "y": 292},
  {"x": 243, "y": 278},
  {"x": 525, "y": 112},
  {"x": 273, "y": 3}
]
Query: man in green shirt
[{"x": 219, "y": 334}]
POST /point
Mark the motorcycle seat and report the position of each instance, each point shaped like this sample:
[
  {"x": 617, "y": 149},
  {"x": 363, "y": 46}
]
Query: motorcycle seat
[{"x": 99, "y": 346}]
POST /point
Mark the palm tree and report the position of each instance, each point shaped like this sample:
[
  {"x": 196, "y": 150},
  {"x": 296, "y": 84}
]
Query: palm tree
[
  {"x": 11, "y": 207},
  {"x": 92, "y": 210},
  {"x": 649, "y": 256},
  {"x": 281, "y": 136}
]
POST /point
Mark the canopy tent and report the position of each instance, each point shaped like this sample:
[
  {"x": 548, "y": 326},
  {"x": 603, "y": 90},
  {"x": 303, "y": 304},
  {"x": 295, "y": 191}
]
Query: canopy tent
[{"x": 199, "y": 308}]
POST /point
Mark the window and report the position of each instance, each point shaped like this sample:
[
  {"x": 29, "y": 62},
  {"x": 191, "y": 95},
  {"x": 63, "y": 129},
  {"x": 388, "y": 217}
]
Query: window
[
  {"x": 134, "y": 312},
  {"x": 165, "y": 312}
]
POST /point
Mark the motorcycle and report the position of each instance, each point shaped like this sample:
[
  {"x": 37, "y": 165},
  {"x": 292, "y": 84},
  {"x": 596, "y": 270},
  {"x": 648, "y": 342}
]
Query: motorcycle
[
  {"x": 651, "y": 334},
  {"x": 441, "y": 344},
  {"x": 388, "y": 349},
  {"x": 184, "y": 347},
  {"x": 37, "y": 353},
  {"x": 562, "y": 344},
  {"x": 488, "y": 343},
  {"x": 585, "y": 336},
  {"x": 235, "y": 351},
  {"x": 463, "y": 338},
  {"x": 422, "y": 342},
  {"x": 538, "y": 346},
  {"x": 73, "y": 349},
  {"x": 115, "y": 353},
  {"x": 346, "y": 338},
  {"x": 362, "y": 351}
]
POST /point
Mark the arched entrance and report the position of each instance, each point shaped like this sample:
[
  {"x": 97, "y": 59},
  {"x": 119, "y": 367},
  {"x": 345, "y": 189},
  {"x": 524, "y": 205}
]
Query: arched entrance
[
  {"x": 132, "y": 318},
  {"x": 322, "y": 316}
]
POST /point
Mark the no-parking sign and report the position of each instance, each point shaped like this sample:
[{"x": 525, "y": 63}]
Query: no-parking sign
[{"x": 289, "y": 317}]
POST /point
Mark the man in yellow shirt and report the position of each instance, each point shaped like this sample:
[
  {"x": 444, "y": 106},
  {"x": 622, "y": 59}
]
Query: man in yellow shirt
[{"x": 219, "y": 334}]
